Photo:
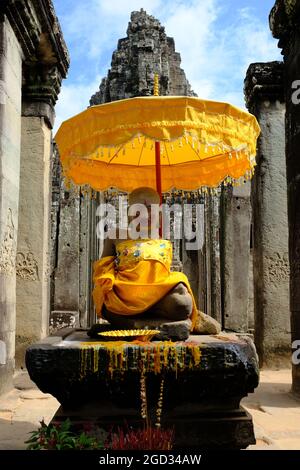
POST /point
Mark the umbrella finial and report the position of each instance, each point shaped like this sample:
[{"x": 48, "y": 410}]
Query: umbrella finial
[{"x": 156, "y": 84}]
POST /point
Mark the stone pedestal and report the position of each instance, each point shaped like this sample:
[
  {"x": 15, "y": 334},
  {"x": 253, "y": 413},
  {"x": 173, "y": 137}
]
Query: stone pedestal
[
  {"x": 264, "y": 95},
  {"x": 205, "y": 379},
  {"x": 10, "y": 129}
]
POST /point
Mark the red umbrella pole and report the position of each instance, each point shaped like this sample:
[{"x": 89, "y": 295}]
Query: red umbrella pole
[
  {"x": 157, "y": 152},
  {"x": 158, "y": 169},
  {"x": 158, "y": 177}
]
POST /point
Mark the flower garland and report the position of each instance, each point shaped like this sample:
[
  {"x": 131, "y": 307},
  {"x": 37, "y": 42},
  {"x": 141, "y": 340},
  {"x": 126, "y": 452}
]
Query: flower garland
[{"x": 120, "y": 356}]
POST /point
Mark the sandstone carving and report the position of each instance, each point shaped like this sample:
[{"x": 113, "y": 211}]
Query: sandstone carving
[
  {"x": 278, "y": 268},
  {"x": 8, "y": 247},
  {"x": 26, "y": 266}
]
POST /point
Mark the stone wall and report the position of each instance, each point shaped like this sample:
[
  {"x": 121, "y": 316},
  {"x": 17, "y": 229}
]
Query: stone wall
[
  {"x": 33, "y": 61},
  {"x": 10, "y": 128},
  {"x": 285, "y": 25}
]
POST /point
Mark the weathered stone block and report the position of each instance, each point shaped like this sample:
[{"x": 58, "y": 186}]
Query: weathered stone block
[
  {"x": 62, "y": 319},
  {"x": 202, "y": 389}
]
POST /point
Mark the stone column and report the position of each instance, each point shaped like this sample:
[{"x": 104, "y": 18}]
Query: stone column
[
  {"x": 212, "y": 256},
  {"x": 66, "y": 272},
  {"x": 264, "y": 96},
  {"x": 202, "y": 279},
  {"x": 191, "y": 265},
  {"x": 40, "y": 89},
  {"x": 235, "y": 256},
  {"x": 65, "y": 251},
  {"x": 10, "y": 129},
  {"x": 285, "y": 25},
  {"x": 84, "y": 266},
  {"x": 32, "y": 263}
]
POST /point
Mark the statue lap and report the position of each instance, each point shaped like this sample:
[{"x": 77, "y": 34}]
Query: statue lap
[{"x": 175, "y": 306}]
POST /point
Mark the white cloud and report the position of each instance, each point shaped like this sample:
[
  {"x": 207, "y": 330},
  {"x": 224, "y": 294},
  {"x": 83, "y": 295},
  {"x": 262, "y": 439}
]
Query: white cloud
[
  {"x": 233, "y": 97},
  {"x": 215, "y": 58},
  {"x": 74, "y": 98},
  {"x": 96, "y": 28},
  {"x": 193, "y": 31},
  {"x": 122, "y": 8},
  {"x": 216, "y": 45}
]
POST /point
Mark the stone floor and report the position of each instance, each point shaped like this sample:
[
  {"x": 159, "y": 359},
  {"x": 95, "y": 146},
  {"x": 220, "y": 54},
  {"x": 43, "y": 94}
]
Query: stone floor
[
  {"x": 275, "y": 411},
  {"x": 21, "y": 410}
]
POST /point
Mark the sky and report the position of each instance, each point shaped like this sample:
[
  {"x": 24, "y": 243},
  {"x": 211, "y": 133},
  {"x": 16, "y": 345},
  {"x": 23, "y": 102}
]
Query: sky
[{"x": 217, "y": 40}]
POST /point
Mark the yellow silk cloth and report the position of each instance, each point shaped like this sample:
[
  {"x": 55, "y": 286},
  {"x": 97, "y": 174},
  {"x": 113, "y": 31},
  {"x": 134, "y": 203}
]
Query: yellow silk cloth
[
  {"x": 136, "y": 278},
  {"x": 202, "y": 143}
]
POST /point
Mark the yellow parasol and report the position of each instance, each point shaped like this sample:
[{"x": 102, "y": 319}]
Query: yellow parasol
[{"x": 126, "y": 144}]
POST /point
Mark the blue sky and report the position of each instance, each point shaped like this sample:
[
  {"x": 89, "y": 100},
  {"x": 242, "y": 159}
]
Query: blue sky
[{"x": 217, "y": 40}]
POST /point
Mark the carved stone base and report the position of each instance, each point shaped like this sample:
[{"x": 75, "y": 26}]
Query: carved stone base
[
  {"x": 201, "y": 397},
  {"x": 195, "y": 427}
]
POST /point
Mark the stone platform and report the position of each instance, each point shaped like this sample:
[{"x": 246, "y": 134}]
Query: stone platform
[{"x": 205, "y": 379}]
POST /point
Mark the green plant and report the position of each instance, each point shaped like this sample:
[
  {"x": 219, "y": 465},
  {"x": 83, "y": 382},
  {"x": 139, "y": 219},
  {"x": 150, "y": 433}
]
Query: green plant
[{"x": 60, "y": 437}]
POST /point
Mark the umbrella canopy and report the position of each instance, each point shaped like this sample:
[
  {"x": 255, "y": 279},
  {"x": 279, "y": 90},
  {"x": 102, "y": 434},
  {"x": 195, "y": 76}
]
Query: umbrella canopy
[{"x": 202, "y": 143}]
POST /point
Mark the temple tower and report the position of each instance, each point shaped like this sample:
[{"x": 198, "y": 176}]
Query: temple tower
[{"x": 145, "y": 51}]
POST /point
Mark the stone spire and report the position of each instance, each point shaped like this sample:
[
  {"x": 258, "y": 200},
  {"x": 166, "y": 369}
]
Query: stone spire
[{"x": 146, "y": 50}]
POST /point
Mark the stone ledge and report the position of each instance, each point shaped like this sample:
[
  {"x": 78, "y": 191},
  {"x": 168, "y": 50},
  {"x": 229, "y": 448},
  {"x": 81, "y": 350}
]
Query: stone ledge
[
  {"x": 30, "y": 19},
  {"x": 39, "y": 109},
  {"x": 264, "y": 81}
]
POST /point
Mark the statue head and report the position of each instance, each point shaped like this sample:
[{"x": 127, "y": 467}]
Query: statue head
[{"x": 146, "y": 197}]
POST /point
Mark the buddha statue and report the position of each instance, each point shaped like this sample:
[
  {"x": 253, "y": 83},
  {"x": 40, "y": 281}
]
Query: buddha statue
[{"x": 134, "y": 286}]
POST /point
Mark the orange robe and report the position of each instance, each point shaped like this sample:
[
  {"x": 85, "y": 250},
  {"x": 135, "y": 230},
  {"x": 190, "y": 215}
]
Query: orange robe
[{"x": 136, "y": 278}]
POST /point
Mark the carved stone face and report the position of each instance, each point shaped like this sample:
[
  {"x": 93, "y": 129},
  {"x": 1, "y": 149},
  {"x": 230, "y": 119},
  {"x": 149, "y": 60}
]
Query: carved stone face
[
  {"x": 145, "y": 196},
  {"x": 147, "y": 200}
]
